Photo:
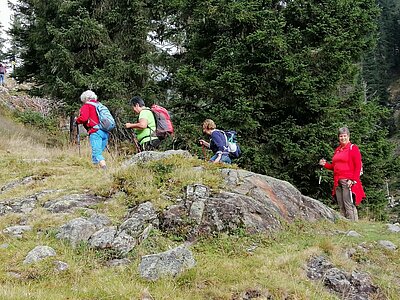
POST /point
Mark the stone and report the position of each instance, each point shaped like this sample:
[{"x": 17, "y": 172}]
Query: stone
[
  {"x": 249, "y": 201},
  {"x": 103, "y": 238},
  {"x": 60, "y": 266},
  {"x": 69, "y": 203},
  {"x": 17, "y": 230},
  {"x": 146, "y": 156},
  {"x": 39, "y": 253},
  {"x": 387, "y": 245},
  {"x": 99, "y": 220},
  {"x": 76, "y": 230},
  {"x": 353, "y": 233},
  {"x": 169, "y": 263},
  {"x": 118, "y": 262},
  {"x": 394, "y": 228},
  {"x": 123, "y": 243}
]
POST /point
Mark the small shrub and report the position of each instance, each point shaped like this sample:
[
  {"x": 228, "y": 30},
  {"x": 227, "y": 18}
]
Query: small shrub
[
  {"x": 37, "y": 120},
  {"x": 327, "y": 246}
]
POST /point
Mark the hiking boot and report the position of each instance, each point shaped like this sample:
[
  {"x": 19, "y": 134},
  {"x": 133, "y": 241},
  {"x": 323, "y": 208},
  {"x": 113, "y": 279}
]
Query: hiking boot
[{"x": 102, "y": 164}]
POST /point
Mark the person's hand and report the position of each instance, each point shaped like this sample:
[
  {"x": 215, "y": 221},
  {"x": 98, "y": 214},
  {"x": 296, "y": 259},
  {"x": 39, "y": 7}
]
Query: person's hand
[
  {"x": 322, "y": 162},
  {"x": 350, "y": 183},
  {"x": 202, "y": 142},
  {"x": 128, "y": 125}
]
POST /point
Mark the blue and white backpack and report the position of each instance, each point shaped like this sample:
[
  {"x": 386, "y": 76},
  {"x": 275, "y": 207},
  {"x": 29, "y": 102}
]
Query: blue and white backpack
[
  {"x": 107, "y": 122},
  {"x": 231, "y": 141}
]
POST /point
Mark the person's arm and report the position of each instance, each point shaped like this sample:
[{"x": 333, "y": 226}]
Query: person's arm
[
  {"x": 220, "y": 141},
  {"x": 83, "y": 115},
  {"x": 203, "y": 142},
  {"x": 325, "y": 164},
  {"x": 140, "y": 124}
]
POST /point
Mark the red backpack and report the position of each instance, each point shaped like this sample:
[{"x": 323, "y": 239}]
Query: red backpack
[{"x": 164, "y": 125}]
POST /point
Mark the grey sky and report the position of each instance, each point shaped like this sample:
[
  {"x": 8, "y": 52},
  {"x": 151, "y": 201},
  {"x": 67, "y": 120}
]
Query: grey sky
[{"x": 5, "y": 14}]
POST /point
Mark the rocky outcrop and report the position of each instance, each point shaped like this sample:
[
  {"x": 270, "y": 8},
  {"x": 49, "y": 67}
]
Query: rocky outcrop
[
  {"x": 249, "y": 201},
  {"x": 122, "y": 239},
  {"x": 18, "y": 182},
  {"x": 76, "y": 230}
]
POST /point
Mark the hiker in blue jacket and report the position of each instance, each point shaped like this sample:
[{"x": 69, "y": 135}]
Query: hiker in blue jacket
[{"x": 218, "y": 142}]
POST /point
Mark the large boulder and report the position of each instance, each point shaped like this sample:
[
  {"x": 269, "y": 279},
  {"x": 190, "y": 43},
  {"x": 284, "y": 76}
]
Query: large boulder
[
  {"x": 250, "y": 201},
  {"x": 147, "y": 156}
]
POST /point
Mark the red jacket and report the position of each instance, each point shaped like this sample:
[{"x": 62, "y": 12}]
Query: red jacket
[
  {"x": 88, "y": 116},
  {"x": 346, "y": 164}
]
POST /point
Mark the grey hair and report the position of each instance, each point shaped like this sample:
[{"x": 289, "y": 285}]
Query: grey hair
[
  {"x": 88, "y": 95},
  {"x": 344, "y": 130}
]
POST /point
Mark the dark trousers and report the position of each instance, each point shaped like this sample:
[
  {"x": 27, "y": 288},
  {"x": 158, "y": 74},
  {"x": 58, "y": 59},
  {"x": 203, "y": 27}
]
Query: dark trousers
[{"x": 151, "y": 145}]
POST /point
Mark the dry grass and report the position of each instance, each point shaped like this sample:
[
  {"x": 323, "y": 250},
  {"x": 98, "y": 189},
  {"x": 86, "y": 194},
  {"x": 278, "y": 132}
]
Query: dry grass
[{"x": 225, "y": 265}]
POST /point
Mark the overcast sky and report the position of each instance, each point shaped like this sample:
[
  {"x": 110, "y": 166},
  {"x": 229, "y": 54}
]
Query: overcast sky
[{"x": 5, "y": 14}]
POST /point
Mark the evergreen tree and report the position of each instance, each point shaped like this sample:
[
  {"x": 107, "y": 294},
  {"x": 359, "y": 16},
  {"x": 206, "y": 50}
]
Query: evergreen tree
[
  {"x": 381, "y": 65},
  {"x": 284, "y": 74},
  {"x": 70, "y": 46}
]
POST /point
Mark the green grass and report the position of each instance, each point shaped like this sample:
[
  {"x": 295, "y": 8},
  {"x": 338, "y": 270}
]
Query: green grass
[{"x": 225, "y": 265}]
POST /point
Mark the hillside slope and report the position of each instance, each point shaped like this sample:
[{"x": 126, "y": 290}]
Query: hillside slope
[{"x": 298, "y": 261}]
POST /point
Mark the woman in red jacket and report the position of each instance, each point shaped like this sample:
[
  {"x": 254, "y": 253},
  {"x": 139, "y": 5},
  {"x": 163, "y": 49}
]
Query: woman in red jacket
[
  {"x": 89, "y": 118},
  {"x": 346, "y": 165}
]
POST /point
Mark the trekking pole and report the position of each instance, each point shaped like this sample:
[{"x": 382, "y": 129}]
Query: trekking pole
[
  {"x": 204, "y": 152},
  {"x": 136, "y": 142},
  {"x": 320, "y": 176},
  {"x": 351, "y": 195},
  {"x": 78, "y": 138}
]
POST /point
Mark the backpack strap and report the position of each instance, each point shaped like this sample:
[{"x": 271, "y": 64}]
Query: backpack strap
[
  {"x": 154, "y": 117},
  {"x": 151, "y": 130}
]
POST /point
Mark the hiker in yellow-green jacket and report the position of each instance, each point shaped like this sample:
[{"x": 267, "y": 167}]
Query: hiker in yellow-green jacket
[{"x": 145, "y": 126}]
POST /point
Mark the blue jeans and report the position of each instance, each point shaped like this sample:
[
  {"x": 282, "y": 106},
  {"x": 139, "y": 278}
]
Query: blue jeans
[
  {"x": 98, "y": 141},
  {"x": 225, "y": 158},
  {"x": 2, "y": 81}
]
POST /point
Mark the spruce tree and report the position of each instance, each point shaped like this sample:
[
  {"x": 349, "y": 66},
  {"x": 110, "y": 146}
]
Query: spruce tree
[{"x": 285, "y": 75}]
